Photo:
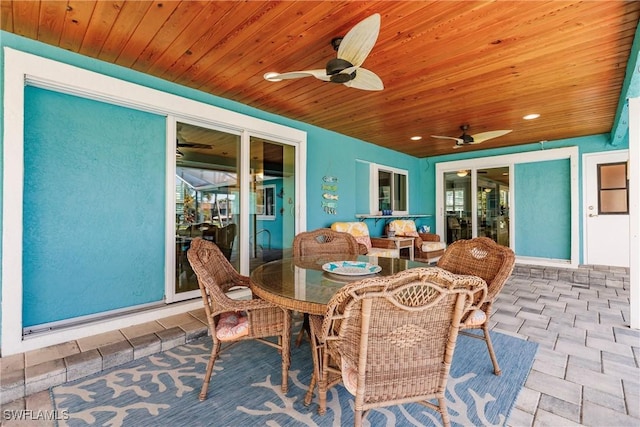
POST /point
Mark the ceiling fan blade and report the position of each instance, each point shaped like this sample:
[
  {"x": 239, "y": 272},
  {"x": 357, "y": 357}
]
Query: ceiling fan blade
[
  {"x": 366, "y": 80},
  {"x": 483, "y": 136},
  {"x": 457, "y": 146},
  {"x": 276, "y": 77},
  {"x": 358, "y": 42},
  {"x": 458, "y": 141}
]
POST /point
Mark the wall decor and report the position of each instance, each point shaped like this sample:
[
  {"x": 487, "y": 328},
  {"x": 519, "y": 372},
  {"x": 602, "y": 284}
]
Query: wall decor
[{"x": 330, "y": 197}]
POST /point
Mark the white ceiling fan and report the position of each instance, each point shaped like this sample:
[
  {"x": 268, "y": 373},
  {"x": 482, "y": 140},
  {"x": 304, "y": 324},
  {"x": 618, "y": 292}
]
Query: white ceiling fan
[
  {"x": 466, "y": 139},
  {"x": 352, "y": 50}
]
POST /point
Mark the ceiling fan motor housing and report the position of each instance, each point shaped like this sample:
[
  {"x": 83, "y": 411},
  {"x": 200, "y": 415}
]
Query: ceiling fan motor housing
[
  {"x": 466, "y": 138},
  {"x": 334, "y": 69}
]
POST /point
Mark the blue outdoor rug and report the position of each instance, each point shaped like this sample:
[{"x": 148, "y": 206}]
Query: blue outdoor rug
[{"x": 162, "y": 390}]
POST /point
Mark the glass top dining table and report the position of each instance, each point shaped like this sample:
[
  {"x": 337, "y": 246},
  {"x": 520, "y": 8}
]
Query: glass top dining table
[{"x": 301, "y": 284}]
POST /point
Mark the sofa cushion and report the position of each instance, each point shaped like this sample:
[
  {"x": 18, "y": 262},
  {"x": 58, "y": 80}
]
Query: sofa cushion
[
  {"x": 403, "y": 227},
  {"x": 357, "y": 229},
  {"x": 432, "y": 246},
  {"x": 383, "y": 252}
]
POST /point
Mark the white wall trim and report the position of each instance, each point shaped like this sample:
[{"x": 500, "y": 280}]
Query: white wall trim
[
  {"x": 509, "y": 160},
  {"x": 634, "y": 211},
  {"x": 22, "y": 68}
]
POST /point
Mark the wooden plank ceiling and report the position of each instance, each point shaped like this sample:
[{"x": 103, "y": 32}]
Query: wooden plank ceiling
[{"x": 443, "y": 63}]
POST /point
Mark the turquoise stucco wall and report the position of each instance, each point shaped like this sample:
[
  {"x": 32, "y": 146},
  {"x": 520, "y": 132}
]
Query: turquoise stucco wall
[{"x": 543, "y": 186}]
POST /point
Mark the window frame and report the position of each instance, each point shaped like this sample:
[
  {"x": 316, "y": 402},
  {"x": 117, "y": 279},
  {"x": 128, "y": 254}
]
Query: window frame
[
  {"x": 602, "y": 191},
  {"x": 374, "y": 207}
]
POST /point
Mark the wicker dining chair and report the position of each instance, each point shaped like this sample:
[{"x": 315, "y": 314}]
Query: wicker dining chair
[
  {"x": 323, "y": 241},
  {"x": 216, "y": 276},
  {"x": 390, "y": 340},
  {"x": 492, "y": 262}
]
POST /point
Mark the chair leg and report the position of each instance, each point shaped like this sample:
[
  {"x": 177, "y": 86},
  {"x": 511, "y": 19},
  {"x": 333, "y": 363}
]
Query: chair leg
[
  {"x": 323, "y": 379},
  {"x": 309, "y": 396},
  {"x": 442, "y": 404},
  {"x": 357, "y": 418},
  {"x": 215, "y": 349},
  {"x": 492, "y": 354},
  {"x": 286, "y": 350},
  {"x": 305, "y": 329}
]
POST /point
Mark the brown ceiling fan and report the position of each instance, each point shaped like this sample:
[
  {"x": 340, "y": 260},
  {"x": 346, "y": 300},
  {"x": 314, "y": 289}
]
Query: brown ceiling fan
[
  {"x": 346, "y": 68},
  {"x": 466, "y": 139}
]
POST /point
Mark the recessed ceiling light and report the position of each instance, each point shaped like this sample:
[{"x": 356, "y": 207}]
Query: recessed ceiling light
[
  {"x": 531, "y": 116},
  {"x": 416, "y": 138}
]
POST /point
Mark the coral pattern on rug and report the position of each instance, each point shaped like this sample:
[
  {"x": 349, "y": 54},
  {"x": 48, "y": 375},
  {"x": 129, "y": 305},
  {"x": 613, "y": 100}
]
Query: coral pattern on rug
[{"x": 162, "y": 390}]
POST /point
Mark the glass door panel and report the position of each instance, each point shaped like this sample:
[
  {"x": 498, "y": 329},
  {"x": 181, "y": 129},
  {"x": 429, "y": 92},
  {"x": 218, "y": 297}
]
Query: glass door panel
[
  {"x": 207, "y": 197},
  {"x": 492, "y": 195},
  {"x": 272, "y": 201},
  {"x": 457, "y": 205}
]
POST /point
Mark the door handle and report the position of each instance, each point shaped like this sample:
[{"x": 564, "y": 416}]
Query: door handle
[{"x": 592, "y": 215}]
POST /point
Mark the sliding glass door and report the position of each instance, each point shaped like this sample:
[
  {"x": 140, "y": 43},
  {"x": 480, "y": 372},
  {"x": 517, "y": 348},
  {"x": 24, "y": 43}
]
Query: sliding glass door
[
  {"x": 493, "y": 204},
  {"x": 272, "y": 202},
  {"x": 236, "y": 190},
  {"x": 207, "y": 197},
  {"x": 476, "y": 203}
]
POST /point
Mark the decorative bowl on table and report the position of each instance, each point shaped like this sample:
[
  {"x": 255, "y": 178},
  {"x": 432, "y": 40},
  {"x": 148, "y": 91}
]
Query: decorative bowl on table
[{"x": 351, "y": 268}]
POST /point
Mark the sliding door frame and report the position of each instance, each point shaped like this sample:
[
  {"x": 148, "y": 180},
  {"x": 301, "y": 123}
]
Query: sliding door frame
[{"x": 511, "y": 160}]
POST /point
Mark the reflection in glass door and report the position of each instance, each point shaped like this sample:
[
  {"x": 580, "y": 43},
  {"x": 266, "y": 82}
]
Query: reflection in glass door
[
  {"x": 458, "y": 205},
  {"x": 477, "y": 211},
  {"x": 207, "y": 198},
  {"x": 272, "y": 201},
  {"x": 492, "y": 197}
]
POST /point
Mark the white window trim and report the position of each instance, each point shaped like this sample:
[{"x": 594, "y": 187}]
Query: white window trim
[
  {"x": 374, "y": 169},
  {"x": 509, "y": 160},
  {"x": 23, "y": 68}
]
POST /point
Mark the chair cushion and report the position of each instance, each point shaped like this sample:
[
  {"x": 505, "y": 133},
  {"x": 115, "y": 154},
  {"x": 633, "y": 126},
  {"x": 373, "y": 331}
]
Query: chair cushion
[
  {"x": 357, "y": 229},
  {"x": 403, "y": 227},
  {"x": 349, "y": 375},
  {"x": 232, "y": 326},
  {"x": 476, "y": 318},
  {"x": 383, "y": 252},
  {"x": 432, "y": 246}
]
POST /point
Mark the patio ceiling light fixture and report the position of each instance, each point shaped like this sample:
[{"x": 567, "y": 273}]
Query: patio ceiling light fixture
[
  {"x": 462, "y": 173},
  {"x": 531, "y": 116}
]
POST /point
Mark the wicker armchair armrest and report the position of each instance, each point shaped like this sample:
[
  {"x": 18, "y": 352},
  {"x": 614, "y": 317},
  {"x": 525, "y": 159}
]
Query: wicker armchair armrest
[
  {"x": 362, "y": 249},
  {"x": 429, "y": 237},
  {"x": 378, "y": 242}
]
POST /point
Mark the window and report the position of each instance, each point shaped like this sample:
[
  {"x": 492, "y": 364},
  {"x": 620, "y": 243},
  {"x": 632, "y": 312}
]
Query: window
[
  {"x": 265, "y": 202},
  {"x": 455, "y": 201},
  {"x": 613, "y": 192},
  {"x": 390, "y": 190}
]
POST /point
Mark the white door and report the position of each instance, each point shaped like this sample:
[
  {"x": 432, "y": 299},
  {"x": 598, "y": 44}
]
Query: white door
[{"x": 606, "y": 213}]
